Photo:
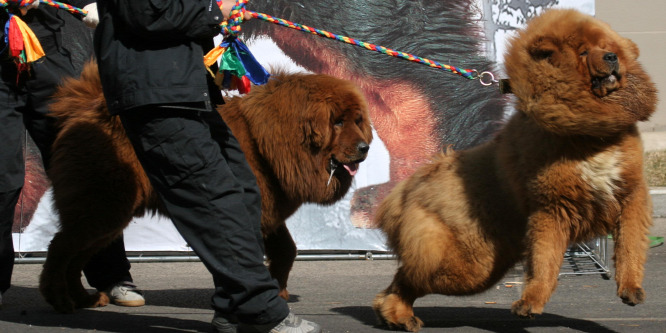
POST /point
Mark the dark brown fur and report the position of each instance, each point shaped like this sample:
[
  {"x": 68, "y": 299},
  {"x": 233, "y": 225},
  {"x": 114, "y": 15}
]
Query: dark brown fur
[
  {"x": 567, "y": 167},
  {"x": 290, "y": 130}
]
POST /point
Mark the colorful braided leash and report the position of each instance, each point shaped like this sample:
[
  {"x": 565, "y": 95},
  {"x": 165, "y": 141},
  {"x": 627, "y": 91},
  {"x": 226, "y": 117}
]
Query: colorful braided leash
[
  {"x": 23, "y": 3},
  {"x": 65, "y": 6},
  {"x": 466, "y": 73},
  {"x": 232, "y": 27}
]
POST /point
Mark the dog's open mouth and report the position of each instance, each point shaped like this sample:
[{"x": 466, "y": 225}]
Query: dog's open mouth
[
  {"x": 350, "y": 167},
  {"x": 604, "y": 85}
]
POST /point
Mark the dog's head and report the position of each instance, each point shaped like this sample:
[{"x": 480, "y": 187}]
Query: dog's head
[
  {"x": 574, "y": 75},
  {"x": 337, "y": 128},
  {"x": 313, "y": 130}
]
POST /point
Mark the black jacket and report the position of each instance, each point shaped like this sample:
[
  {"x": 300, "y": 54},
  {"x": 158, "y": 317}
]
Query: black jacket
[
  {"x": 46, "y": 22},
  {"x": 151, "y": 52}
]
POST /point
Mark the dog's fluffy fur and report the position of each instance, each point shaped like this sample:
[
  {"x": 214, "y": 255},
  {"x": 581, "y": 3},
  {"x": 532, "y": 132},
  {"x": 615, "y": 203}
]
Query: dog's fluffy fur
[
  {"x": 566, "y": 167},
  {"x": 294, "y": 131}
]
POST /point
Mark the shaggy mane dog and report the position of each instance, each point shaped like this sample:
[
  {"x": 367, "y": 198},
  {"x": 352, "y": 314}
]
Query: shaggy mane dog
[
  {"x": 303, "y": 135},
  {"x": 567, "y": 167},
  {"x": 416, "y": 110}
]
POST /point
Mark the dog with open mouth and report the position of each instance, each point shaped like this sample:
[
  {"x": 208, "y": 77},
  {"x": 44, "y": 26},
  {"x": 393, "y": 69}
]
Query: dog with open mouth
[
  {"x": 566, "y": 167},
  {"x": 303, "y": 135}
]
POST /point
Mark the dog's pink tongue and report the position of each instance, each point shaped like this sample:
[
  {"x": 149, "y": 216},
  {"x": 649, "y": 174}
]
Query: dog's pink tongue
[{"x": 352, "y": 168}]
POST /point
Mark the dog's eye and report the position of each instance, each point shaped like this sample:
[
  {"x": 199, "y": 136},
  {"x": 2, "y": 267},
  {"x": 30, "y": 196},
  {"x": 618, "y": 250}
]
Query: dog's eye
[
  {"x": 583, "y": 54},
  {"x": 338, "y": 123},
  {"x": 541, "y": 54}
]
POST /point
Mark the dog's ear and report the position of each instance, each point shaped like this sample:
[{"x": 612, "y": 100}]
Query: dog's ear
[
  {"x": 317, "y": 125},
  {"x": 630, "y": 47}
]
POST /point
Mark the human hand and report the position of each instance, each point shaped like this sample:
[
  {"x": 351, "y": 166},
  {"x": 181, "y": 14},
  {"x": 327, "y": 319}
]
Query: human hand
[
  {"x": 92, "y": 18},
  {"x": 32, "y": 5},
  {"x": 227, "y": 5}
]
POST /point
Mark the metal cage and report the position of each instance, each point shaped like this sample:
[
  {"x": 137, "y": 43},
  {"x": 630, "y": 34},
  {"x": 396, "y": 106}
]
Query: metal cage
[{"x": 587, "y": 258}]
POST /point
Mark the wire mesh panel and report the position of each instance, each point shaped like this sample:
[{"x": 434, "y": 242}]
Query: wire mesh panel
[{"x": 587, "y": 258}]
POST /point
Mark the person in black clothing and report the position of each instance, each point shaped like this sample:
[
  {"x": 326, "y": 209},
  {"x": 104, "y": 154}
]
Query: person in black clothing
[
  {"x": 150, "y": 58},
  {"x": 24, "y": 99}
]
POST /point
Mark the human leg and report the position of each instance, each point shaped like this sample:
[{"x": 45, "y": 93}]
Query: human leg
[
  {"x": 12, "y": 167},
  {"x": 206, "y": 202},
  {"x": 45, "y": 77},
  {"x": 108, "y": 266},
  {"x": 109, "y": 271},
  {"x": 8, "y": 202}
]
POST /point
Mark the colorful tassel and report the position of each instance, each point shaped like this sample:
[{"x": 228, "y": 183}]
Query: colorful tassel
[
  {"x": 32, "y": 49},
  {"x": 23, "y": 45},
  {"x": 238, "y": 67}
]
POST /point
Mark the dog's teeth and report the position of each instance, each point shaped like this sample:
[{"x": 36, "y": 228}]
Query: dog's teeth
[{"x": 331, "y": 176}]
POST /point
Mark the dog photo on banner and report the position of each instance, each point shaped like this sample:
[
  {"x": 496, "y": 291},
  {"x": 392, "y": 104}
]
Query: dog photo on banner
[{"x": 415, "y": 110}]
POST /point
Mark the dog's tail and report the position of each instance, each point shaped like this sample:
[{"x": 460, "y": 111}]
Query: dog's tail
[{"x": 74, "y": 94}]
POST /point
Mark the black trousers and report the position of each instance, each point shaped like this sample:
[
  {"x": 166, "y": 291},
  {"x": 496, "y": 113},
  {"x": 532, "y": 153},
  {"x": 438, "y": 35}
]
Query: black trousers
[
  {"x": 211, "y": 195},
  {"x": 24, "y": 102}
]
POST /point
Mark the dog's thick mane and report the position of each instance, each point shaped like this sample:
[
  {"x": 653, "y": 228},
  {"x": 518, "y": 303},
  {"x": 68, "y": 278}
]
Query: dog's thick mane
[
  {"x": 277, "y": 141},
  {"x": 575, "y": 110}
]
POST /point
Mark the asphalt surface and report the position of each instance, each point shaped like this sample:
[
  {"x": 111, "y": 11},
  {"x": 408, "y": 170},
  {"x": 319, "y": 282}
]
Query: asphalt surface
[{"x": 338, "y": 295}]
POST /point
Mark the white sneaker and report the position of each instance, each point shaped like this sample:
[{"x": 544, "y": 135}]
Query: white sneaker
[
  {"x": 224, "y": 323},
  {"x": 291, "y": 324},
  {"x": 126, "y": 294}
]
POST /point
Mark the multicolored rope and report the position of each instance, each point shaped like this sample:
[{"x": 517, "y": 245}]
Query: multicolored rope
[
  {"x": 23, "y": 3},
  {"x": 65, "y": 6},
  {"x": 232, "y": 27},
  {"x": 17, "y": 3},
  {"x": 466, "y": 73}
]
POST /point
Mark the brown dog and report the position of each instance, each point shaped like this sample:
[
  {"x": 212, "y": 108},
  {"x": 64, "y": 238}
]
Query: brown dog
[
  {"x": 566, "y": 167},
  {"x": 416, "y": 110},
  {"x": 303, "y": 135}
]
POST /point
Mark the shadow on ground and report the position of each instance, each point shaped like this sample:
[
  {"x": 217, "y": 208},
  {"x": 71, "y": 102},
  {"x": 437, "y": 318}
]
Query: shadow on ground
[{"x": 491, "y": 320}]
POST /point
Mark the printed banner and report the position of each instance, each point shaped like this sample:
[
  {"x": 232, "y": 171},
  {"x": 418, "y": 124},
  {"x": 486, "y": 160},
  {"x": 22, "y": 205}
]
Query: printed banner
[{"x": 416, "y": 110}]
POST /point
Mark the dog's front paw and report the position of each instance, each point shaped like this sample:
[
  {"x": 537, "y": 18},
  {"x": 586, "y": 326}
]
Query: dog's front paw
[
  {"x": 522, "y": 308},
  {"x": 393, "y": 312},
  {"x": 410, "y": 324},
  {"x": 632, "y": 296},
  {"x": 284, "y": 293}
]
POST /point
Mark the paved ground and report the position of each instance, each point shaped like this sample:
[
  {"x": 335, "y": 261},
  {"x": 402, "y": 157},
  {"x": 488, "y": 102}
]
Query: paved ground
[{"x": 338, "y": 295}]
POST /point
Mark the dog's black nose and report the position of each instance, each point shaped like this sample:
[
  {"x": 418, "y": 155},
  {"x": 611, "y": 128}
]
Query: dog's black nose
[
  {"x": 610, "y": 57},
  {"x": 363, "y": 147}
]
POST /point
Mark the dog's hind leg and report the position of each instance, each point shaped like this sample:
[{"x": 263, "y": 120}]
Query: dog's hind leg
[
  {"x": 60, "y": 281},
  {"x": 546, "y": 244},
  {"x": 395, "y": 305},
  {"x": 53, "y": 279},
  {"x": 81, "y": 297},
  {"x": 631, "y": 244},
  {"x": 281, "y": 253}
]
